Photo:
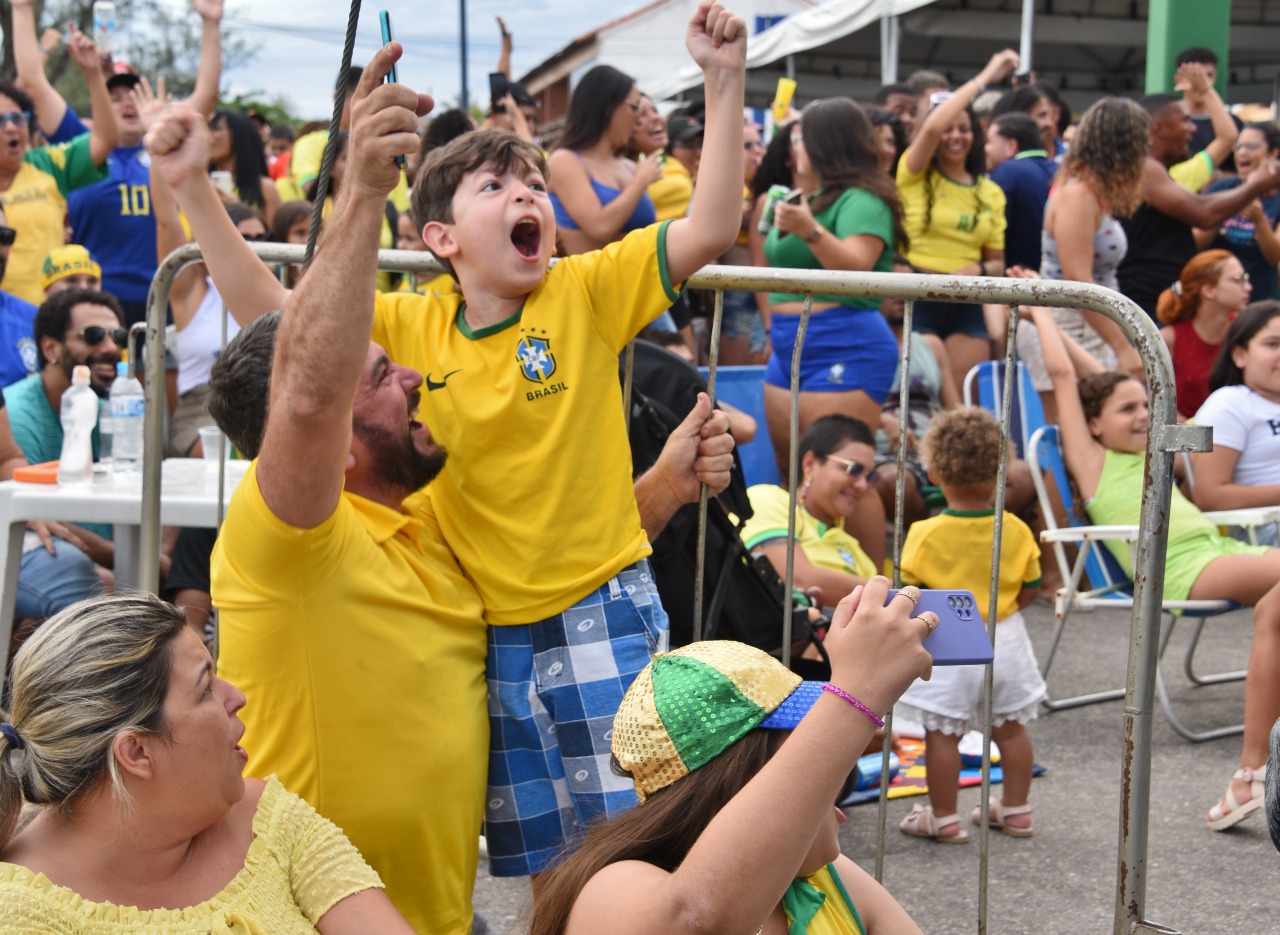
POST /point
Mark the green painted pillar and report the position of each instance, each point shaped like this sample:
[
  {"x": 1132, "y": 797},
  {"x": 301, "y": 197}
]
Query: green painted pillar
[{"x": 1174, "y": 25}]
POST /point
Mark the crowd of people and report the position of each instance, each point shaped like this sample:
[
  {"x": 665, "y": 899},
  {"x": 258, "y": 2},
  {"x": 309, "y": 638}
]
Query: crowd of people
[{"x": 435, "y": 607}]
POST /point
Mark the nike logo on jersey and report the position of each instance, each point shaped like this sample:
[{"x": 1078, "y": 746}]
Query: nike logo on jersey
[{"x": 433, "y": 385}]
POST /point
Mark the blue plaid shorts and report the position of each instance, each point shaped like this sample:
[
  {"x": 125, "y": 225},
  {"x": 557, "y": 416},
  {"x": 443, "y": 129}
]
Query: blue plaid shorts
[{"x": 554, "y": 687}]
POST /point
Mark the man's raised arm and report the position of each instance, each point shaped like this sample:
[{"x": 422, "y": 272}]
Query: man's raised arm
[{"x": 323, "y": 343}]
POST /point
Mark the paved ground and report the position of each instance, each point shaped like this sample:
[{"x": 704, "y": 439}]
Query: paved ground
[{"x": 1063, "y": 879}]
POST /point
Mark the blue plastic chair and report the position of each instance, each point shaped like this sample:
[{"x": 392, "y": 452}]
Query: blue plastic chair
[
  {"x": 984, "y": 386},
  {"x": 743, "y": 388},
  {"x": 1106, "y": 585}
]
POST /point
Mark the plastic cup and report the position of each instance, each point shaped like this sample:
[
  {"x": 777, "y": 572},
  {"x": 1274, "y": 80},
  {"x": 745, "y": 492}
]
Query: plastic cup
[
  {"x": 782, "y": 99},
  {"x": 211, "y": 444},
  {"x": 223, "y": 181}
]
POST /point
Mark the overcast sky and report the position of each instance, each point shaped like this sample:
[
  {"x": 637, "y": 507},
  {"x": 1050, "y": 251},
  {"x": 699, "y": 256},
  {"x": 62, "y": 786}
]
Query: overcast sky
[{"x": 300, "y": 46}]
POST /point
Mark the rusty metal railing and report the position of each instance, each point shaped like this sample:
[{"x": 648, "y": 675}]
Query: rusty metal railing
[{"x": 1165, "y": 437}]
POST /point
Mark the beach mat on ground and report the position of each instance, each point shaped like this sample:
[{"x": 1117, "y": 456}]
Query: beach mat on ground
[{"x": 906, "y": 769}]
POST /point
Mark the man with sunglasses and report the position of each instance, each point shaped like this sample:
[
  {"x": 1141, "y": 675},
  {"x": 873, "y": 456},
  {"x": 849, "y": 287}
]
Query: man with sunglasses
[
  {"x": 77, "y": 326},
  {"x": 17, "y": 347}
]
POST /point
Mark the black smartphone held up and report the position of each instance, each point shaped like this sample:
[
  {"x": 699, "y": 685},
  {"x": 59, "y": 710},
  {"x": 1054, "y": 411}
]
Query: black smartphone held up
[
  {"x": 793, "y": 197},
  {"x": 960, "y": 639},
  {"x": 499, "y": 88},
  {"x": 393, "y": 77}
]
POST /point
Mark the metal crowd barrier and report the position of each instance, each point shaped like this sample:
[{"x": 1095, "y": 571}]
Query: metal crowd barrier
[{"x": 1165, "y": 437}]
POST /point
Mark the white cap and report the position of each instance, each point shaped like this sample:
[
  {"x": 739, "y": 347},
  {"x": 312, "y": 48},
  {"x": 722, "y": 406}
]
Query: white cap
[{"x": 80, "y": 375}]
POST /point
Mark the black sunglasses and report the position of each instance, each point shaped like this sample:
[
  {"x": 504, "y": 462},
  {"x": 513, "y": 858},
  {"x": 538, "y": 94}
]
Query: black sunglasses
[
  {"x": 96, "y": 334},
  {"x": 7, "y": 236},
  {"x": 856, "y": 469},
  {"x": 257, "y": 238}
]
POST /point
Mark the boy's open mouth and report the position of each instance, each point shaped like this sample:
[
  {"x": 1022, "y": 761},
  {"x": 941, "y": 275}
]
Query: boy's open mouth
[{"x": 527, "y": 238}]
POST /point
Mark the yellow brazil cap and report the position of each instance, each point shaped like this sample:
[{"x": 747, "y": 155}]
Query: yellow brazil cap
[{"x": 71, "y": 260}]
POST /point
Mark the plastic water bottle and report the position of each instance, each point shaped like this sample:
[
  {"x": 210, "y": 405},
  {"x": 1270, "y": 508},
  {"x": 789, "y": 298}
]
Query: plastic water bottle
[
  {"x": 79, "y": 416},
  {"x": 128, "y": 408},
  {"x": 104, "y": 432}
]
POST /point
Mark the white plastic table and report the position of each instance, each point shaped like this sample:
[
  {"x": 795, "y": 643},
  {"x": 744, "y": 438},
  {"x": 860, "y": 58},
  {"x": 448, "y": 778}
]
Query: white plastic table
[{"x": 188, "y": 497}]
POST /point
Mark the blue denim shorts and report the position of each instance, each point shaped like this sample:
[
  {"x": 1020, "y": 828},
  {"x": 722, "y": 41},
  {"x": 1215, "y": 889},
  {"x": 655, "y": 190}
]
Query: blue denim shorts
[
  {"x": 844, "y": 349},
  {"x": 741, "y": 319},
  {"x": 947, "y": 318},
  {"x": 554, "y": 687}
]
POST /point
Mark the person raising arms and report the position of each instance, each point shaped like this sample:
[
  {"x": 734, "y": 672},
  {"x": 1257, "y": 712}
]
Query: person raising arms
[
  {"x": 954, "y": 214},
  {"x": 1104, "y": 419}
]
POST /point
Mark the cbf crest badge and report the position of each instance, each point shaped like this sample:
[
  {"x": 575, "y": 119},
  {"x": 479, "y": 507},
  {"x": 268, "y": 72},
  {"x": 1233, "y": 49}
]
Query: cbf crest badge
[{"x": 537, "y": 363}]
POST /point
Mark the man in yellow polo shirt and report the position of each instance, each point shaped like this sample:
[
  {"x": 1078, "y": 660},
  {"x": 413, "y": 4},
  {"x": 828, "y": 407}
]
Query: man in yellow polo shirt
[{"x": 344, "y": 617}]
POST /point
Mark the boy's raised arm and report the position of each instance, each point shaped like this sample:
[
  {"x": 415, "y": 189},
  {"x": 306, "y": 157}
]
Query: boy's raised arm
[{"x": 717, "y": 40}]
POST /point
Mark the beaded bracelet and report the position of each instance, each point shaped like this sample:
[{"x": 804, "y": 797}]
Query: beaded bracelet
[{"x": 841, "y": 693}]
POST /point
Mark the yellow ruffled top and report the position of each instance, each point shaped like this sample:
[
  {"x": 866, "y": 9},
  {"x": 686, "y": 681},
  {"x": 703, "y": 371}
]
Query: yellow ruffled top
[{"x": 298, "y": 866}]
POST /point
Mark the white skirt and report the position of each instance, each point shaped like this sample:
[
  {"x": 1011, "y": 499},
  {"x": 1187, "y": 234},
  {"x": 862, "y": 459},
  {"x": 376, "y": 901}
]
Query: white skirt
[{"x": 951, "y": 701}]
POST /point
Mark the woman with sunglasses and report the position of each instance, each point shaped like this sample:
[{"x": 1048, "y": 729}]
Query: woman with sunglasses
[
  {"x": 1196, "y": 312},
  {"x": 837, "y": 457},
  {"x": 599, "y": 195},
  {"x": 35, "y": 181}
]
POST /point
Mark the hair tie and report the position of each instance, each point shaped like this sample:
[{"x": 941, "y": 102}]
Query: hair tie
[
  {"x": 1176, "y": 288},
  {"x": 11, "y": 734}
]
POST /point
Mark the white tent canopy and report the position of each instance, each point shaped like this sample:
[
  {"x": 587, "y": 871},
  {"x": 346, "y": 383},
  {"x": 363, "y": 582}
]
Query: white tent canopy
[
  {"x": 1085, "y": 48},
  {"x": 797, "y": 33}
]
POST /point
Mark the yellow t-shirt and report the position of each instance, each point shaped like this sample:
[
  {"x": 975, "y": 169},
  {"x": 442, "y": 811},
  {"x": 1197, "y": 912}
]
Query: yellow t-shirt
[
  {"x": 828, "y": 547},
  {"x": 360, "y": 647},
  {"x": 536, "y": 500},
  {"x": 308, "y": 154},
  {"x": 443, "y": 284},
  {"x": 964, "y": 220},
  {"x": 953, "y": 550},
  {"x": 1195, "y": 173},
  {"x": 672, "y": 193},
  {"x": 35, "y": 205},
  {"x": 298, "y": 867}
]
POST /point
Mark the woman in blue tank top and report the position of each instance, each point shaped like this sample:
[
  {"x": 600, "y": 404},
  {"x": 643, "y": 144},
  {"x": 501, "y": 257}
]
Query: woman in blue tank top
[{"x": 598, "y": 194}]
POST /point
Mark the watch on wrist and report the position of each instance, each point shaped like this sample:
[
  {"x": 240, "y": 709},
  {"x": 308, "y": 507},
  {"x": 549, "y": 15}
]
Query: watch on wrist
[{"x": 814, "y": 235}]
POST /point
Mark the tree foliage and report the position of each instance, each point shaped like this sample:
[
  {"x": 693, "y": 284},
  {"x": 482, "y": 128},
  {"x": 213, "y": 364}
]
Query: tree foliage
[{"x": 155, "y": 39}]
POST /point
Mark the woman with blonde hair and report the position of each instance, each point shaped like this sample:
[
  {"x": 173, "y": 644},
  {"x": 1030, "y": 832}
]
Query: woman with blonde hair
[
  {"x": 1100, "y": 180},
  {"x": 1196, "y": 312},
  {"x": 126, "y": 744}
]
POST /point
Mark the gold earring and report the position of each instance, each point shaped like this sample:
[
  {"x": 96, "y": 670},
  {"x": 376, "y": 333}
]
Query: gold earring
[{"x": 804, "y": 490}]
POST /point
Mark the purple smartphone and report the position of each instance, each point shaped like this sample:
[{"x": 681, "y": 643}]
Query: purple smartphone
[{"x": 960, "y": 639}]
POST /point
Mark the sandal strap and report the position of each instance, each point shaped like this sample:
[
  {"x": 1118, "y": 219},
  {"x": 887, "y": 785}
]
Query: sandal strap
[
  {"x": 1249, "y": 774},
  {"x": 1006, "y": 810}
]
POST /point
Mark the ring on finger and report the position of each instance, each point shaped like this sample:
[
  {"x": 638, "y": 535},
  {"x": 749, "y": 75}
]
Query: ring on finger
[
  {"x": 911, "y": 593},
  {"x": 930, "y": 621}
]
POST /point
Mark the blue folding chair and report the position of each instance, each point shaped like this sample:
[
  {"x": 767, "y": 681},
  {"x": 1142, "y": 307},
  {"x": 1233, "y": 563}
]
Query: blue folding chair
[
  {"x": 984, "y": 386},
  {"x": 1108, "y": 586},
  {"x": 743, "y": 388}
]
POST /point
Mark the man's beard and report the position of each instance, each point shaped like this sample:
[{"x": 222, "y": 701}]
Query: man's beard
[
  {"x": 399, "y": 463},
  {"x": 68, "y": 365}
]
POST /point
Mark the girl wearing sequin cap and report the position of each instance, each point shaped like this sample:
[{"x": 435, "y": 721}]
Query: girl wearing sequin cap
[{"x": 736, "y": 762}]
